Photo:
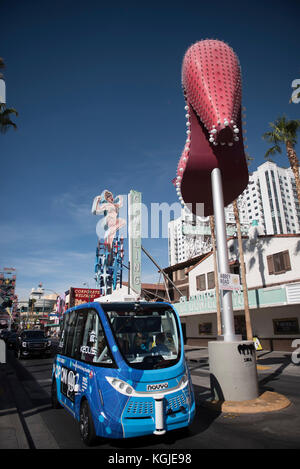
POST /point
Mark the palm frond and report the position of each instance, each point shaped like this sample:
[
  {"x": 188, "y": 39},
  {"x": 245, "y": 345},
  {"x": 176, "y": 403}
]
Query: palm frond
[
  {"x": 5, "y": 121},
  {"x": 272, "y": 151},
  {"x": 283, "y": 131}
]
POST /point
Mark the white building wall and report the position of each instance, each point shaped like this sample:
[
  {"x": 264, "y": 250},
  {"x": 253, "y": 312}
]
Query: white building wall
[
  {"x": 255, "y": 256},
  {"x": 272, "y": 200},
  {"x": 261, "y": 319}
]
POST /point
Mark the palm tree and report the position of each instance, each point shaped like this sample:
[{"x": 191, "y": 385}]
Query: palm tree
[
  {"x": 285, "y": 132},
  {"x": 5, "y": 121},
  {"x": 5, "y": 113}
]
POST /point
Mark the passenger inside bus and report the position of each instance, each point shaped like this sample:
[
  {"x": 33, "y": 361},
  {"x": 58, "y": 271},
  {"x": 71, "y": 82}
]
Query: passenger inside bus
[{"x": 140, "y": 344}]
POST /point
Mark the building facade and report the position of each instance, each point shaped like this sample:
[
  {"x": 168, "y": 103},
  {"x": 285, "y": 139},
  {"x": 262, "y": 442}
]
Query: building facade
[
  {"x": 273, "y": 280},
  {"x": 36, "y": 310},
  {"x": 271, "y": 199},
  {"x": 190, "y": 236}
]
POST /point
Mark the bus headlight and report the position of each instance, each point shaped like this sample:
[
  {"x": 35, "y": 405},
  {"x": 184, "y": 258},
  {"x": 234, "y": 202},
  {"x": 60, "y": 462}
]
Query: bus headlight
[{"x": 120, "y": 386}]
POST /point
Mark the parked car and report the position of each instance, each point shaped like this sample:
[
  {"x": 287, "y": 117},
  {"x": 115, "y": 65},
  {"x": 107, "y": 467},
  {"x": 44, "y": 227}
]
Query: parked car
[
  {"x": 31, "y": 343},
  {"x": 4, "y": 333},
  {"x": 11, "y": 340}
]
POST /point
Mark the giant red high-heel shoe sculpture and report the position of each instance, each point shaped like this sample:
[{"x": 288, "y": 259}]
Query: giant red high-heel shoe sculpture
[{"x": 211, "y": 80}]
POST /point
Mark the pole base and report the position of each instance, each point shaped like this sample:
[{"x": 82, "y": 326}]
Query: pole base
[
  {"x": 159, "y": 432},
  {"x": 233, "y": 372}
]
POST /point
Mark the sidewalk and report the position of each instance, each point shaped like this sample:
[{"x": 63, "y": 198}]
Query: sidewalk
[
  {"x": 21, "y": 423},
  {"x": 268, "y": 363},
  {"x": 12, "y": 431}
]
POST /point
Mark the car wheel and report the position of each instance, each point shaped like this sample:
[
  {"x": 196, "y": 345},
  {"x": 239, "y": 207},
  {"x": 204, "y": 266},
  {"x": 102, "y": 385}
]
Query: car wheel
[
  {"x": 54, "y": 400},
  {"x": 86, "y": 425}
]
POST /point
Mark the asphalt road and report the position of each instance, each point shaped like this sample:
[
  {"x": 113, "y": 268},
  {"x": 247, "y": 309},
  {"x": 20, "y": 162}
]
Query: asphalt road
[{"x": 49, "y": 428}]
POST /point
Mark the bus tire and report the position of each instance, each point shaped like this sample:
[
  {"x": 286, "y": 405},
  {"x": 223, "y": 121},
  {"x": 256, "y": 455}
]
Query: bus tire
[
  {"x": 86, "y": 425},
  {"x": 54, "y": 400}
]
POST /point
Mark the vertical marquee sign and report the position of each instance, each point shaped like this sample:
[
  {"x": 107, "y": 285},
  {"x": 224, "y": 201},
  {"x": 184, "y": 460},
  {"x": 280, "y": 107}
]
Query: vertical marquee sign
[{"x": 134, "y": 239}]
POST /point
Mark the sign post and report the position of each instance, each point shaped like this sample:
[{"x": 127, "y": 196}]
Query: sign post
[{"x": 222, "y": 252}]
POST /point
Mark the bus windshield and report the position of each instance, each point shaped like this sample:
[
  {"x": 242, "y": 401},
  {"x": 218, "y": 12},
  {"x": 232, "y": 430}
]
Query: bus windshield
[{"x": 147, "y": 335}]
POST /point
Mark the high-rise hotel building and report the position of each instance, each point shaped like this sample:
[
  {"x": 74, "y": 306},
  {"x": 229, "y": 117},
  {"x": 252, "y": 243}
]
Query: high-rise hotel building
[{"x": 269, "y": 199}]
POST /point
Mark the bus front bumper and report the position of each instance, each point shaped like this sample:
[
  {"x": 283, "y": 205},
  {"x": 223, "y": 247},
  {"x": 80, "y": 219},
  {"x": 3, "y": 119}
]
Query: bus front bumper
[{"x": 157, "y": 414}]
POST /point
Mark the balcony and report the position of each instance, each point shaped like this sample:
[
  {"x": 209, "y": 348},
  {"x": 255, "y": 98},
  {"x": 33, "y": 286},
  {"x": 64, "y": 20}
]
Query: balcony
[{"x": 261, "y": 298}]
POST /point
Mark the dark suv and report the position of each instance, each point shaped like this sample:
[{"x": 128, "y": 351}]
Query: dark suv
[{"x": 33, "y": 342}]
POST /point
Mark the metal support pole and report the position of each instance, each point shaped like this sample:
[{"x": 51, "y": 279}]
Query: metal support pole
[
  {"x": 222, "y": 254},
  {"x": 161, "y": 271},
  {"x": 129, "y": 267}
]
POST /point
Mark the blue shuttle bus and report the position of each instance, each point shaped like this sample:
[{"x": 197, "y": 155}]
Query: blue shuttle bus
[{"x": 120, "y": 370}]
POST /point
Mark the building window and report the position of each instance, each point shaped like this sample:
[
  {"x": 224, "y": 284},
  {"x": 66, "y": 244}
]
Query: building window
[
  {"x": 201, "y": 282},
  {"x": 210, "y": 280},
  {"x": 286, "y": 326},
  {"x": 205, "y": 328},
  {"x": 279, "y": 263}
]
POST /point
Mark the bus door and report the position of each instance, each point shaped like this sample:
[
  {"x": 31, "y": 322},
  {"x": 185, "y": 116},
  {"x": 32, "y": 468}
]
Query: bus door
[{"x": 65, "y": 371}]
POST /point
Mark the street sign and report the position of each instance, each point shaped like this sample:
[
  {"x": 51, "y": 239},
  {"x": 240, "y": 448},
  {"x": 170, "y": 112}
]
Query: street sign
[{"x": 229, "y": 282}]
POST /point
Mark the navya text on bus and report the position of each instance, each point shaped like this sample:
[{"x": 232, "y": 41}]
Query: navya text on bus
[{"x": 120, "y": 370}]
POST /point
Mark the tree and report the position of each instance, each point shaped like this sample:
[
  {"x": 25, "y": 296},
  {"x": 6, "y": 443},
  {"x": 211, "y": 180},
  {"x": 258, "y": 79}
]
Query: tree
[
  {"x": 5, "y": 113},
  {"x": 285, "y": 132},
  {"x": 5, "y": 120}
]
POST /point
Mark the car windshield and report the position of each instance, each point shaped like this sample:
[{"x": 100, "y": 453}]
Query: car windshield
[
  {"x": 33, "y": 335},
  {"x": 147, "y": 335}
]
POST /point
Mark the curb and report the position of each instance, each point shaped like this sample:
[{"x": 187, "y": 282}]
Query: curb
[{"x": 267, "y": 402}]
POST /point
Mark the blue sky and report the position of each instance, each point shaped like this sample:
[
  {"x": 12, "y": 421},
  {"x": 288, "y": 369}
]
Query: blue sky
[{"x": 98, "y": 91}]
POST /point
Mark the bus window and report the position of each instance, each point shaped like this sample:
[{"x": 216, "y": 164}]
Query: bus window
[
  {"x": 94, "y": 346},
  {"x": 78, "y": 335},
  {"x": 147, "y": 336},
  {"x": 61, "y": 343},
  {"x": 69, "y": 332}
]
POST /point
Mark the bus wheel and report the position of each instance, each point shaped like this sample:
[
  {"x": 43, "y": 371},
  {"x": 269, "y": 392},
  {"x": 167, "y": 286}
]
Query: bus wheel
[
  {"x": 86, "y": 425},
  {"x": 54, "y": 401}
]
